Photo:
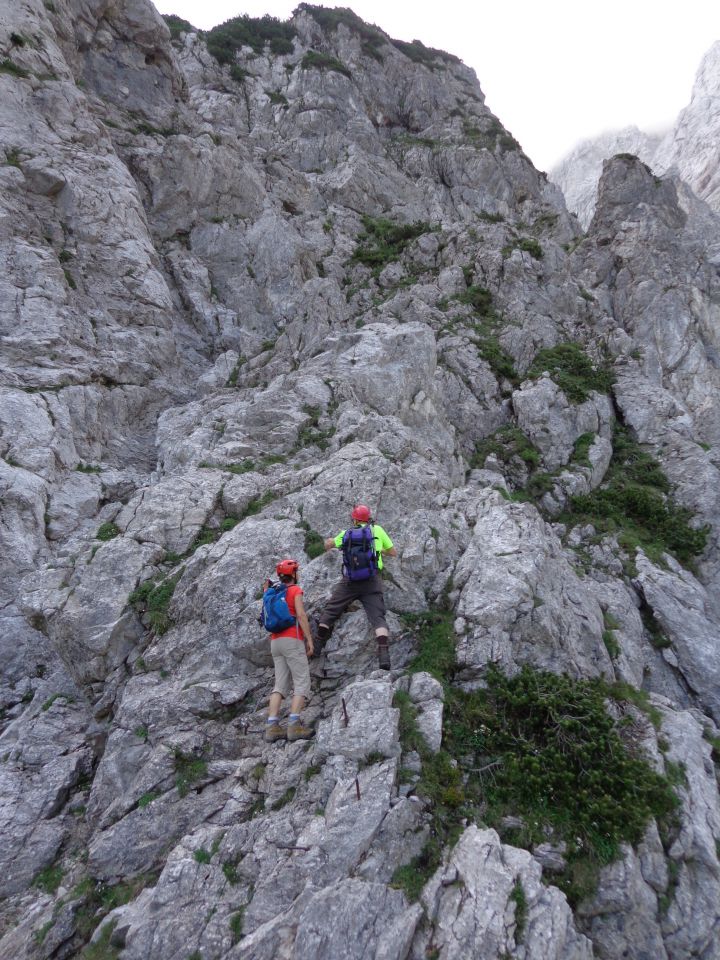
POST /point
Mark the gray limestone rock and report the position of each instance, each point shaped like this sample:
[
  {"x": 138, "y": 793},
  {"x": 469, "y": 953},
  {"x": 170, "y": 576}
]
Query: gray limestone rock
[
  {"x": 365, "y": 724},
  {"x": 472, "y": 912}
]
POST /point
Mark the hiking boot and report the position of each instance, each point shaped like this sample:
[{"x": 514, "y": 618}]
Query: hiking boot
[
  {"x": 273, "y": 732},
  {"x": 322, "y": 635},
  {"x": 298, "y": 731},
  {"x": 383, "y": 656}
]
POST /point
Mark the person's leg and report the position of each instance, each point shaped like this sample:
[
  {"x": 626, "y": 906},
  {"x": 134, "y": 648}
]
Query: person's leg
[
  {"x": 373, "y": 601},
  {"x": 273, "y": 730},
  {"x": 297, "y": 661},
  {"x": 341, "y": 597}
]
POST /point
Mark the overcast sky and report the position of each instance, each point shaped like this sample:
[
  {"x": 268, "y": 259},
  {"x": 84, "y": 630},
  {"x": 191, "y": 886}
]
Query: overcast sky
[{"x": 555, "y": 71}]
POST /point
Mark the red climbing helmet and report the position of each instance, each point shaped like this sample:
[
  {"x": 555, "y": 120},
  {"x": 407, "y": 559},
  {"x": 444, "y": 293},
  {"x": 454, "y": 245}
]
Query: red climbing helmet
[
  {"x": 361, "y": 513},
  {"x": 287, "y": 568}
]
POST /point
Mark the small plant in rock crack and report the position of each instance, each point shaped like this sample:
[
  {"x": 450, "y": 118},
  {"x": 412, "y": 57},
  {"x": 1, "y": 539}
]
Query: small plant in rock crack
[
  {"x": 152, "y": 599},
  {"x": 107, "y": 531},
  {"x": 189, "y": 769}
]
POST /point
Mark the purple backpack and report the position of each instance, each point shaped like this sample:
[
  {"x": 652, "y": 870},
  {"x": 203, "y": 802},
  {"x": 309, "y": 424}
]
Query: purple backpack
[{"x": 359, "y": 557}]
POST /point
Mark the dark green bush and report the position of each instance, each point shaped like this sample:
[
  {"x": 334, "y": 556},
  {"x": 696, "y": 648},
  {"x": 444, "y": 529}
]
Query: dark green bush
[
  {"x": 383, "y": 241},
  {"x": 427, "y": 56},
  {"x": 331, "y": 18},
  {"x": 633, "y": 502},
  {"x": 225, "y": 40},
  {"x": 177, "y": 25},
  {"x": 506, "y": 443},
  {"x": 314, "y": 60},
  {"x": 573, "y": 371},
  {"x": 189, "y": 769},
  {"x": 314, "y": 542},
  {"x": 7, "y": 66},
  {"x": 152, "y": 598},
  {"x": 436, "y": 654}
]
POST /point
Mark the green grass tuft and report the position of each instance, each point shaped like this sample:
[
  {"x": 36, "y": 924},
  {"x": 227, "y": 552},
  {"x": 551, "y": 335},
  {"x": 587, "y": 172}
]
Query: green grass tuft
[
  {"x": 107, "y": 531},
  {"x": 49, "y": 879},
  {"x": 152, "y": 599},
  {"x": 517, "y": 895},
  {"x": 189, "y": 769},
  {"x": 236, "y": 924}
]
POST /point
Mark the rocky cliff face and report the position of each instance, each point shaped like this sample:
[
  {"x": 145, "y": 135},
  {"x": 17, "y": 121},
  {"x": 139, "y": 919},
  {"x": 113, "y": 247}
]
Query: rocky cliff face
[
  {"x": 238, "y": 298},
  {"x": 688, "y": 150},
  {"x": 579, "y": 172}
]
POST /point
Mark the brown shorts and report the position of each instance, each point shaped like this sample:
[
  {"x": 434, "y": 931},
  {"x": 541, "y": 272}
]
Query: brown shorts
[
  {"x": 291, "y": 664},
  {"x": 368, "y": 592}
]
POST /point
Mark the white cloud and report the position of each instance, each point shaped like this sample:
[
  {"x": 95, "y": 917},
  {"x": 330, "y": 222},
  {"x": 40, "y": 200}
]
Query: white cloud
[{"x": 554, "y": 72}]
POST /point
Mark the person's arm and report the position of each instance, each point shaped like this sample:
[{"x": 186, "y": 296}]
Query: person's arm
[
  {"x": 333, "y": 542},
  {"x": 385, "y": 543},
  {"x": 305, "y": 624}
]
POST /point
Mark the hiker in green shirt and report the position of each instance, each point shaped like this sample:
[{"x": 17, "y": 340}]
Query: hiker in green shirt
[{"x": 363, "y": 546}]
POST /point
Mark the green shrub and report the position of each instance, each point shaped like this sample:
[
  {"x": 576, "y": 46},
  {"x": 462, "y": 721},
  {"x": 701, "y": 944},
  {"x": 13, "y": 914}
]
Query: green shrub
[
  {"x": 238, "y": 73},
  {"x": 517, "y": 895},
  {"x": 56, "y": 696},
  {"x": 258, "y": 504},
  {"x": 177, "y": 25},
  {"x": 573, "y": 371},
  {"x": 226, "y": 39},
  {"x": 554, "y": 756},
  {"x": 7, "y": 66},
  {"x": 284, "y": 799},
  {"x": 44, "y": 930},
  {"x": 229, "y": 868},
  {"x": 202, "y": 855},
  {"x": 526, "y": 244},
  {"x": 188, "y": 770},
  {"x": 101, "y": 949},
  {"x": 107, "y": 531},
  {"x": 490, "y": 217},
  {"x": 436, "y": 635},
  {"x": 634, "y": 504},
  {"x": 331, "y": 18},
  {"x": 12, "y": 157},
  {"x": 314, "y": 60},
  {"x": 236, "y": 924},
  {"x": 277, "y": 98},
  {"x": 314, "y": 542},
  {"x": 427, "y": 56},
  {"x": 506, "y": 443},
  {"x": 152, "y": 599},
  {"x": 488, "y": 133},
  {"x": 581, "y": 449},
  {"x": 49, "y": 879},
  {"x": 500, "y": 362},
  {"x": 383, "y": 241},
  {"x": 88, "y": 468}
]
